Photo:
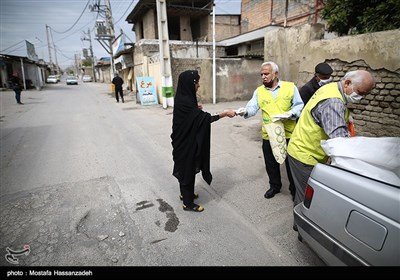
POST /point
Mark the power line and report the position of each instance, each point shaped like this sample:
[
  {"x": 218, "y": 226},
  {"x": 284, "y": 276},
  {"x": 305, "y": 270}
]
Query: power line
[
  {"x": 12, "y": 46},
  {"x": 60, "y": 52},
  {"x": 127, "y": 9},
  {"x": 84, "y": 9}
]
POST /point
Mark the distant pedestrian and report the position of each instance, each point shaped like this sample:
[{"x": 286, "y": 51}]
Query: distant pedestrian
[
  {"x": 321, "y": 77},
  {"x": 118, "y": 82},
  {"x": 16, "y": 84}
]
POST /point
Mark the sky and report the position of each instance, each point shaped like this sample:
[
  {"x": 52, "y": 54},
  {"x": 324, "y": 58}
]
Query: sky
[{"x": 22, "y": 20}]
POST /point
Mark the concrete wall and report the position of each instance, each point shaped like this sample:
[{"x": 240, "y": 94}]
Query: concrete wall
[
  {"x": 297, "y": 50},
  {"x": 190, "y": 49},
  {"x": 236, "y": 79},
  {"x": 225, "y": 27},
  {"x": 185, "y": 28},
  {"x": 149, "y": 25}
]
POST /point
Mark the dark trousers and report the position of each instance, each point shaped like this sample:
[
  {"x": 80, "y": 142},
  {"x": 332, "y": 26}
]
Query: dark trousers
[
  {"x": 273, "y": 169},
  {"x": 119, "y": 92},
  {"x": 187, "y": 191},
  {"x": 301, "y": 172},
  {"x": 18, "y": 95}
]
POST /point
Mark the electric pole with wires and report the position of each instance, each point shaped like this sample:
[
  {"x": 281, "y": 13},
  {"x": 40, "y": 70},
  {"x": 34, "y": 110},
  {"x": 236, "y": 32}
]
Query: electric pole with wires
[
  {"x": 105, "y": 30},
  {"x": 88, "y": 37}
]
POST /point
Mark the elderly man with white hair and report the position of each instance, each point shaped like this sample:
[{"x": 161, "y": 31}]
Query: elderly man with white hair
[
  {"x": 275, "y": 97},
  {"x": 324, "y": 117}
]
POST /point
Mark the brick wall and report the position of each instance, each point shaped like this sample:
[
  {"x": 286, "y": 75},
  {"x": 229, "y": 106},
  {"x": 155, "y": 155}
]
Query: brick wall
[
  {"x": 257, "y": 13},
  {"x": 378, "y": 113}
]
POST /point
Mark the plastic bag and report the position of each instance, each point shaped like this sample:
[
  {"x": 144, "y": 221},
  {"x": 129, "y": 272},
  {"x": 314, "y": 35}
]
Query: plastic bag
[
  {"x": 282, "y": 117},
  {"x": 374, "y": 157},
  {"x": 277, "y": 140}
]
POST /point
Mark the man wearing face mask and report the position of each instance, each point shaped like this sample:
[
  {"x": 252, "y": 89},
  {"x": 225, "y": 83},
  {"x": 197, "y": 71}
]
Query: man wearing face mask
[
  {"x": 324, "y": 117},
  {"x": 322, "y": 77},
  {"x": 274, "y": 97}
]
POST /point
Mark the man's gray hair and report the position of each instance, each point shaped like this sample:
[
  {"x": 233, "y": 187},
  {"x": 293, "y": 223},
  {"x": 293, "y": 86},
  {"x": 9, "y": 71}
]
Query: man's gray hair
[
  {"x": 274, "y": 66},
  {"x": 356, "y": 77}
]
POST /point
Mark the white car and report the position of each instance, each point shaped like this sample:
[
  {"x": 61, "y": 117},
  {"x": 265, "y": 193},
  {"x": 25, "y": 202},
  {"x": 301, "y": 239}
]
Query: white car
[
  {"x": 52, "y": 79},
  {"x": 87, "y": 78},
  {"x": 72, "y": 80}
]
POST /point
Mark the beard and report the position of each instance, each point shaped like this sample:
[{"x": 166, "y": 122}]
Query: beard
[{"x": 269, "y": 84}]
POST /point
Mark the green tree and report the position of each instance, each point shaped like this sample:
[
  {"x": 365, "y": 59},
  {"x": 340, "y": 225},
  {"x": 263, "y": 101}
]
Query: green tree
[
  {"x": 361, "y": 16},
  {"x": 87, "y": 62}
]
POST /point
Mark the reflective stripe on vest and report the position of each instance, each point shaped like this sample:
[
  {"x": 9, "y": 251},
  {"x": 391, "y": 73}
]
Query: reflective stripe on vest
[
  {"x": 272, "y": 106},
  {"x": 305, "y": 142}
]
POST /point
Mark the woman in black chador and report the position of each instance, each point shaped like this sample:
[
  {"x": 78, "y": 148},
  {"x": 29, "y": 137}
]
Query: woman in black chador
[{"x": 191, "y": 128}]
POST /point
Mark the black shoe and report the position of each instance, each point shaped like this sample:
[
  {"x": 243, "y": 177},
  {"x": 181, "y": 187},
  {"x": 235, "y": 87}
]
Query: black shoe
[
  {"x": 20, "y": 103},
  {"x": 295, "y": 227},
  {"x": 271, "y": 193},
  {"x": 194, "y": 208}
]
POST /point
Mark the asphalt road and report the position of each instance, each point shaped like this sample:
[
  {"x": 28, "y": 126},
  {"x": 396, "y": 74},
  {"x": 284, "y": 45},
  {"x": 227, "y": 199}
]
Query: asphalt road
[{"x": 86, "y": 181}]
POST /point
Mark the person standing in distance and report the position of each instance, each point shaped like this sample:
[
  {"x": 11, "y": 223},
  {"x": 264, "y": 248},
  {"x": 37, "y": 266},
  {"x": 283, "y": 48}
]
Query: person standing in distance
[
  {"x": 17, "y": 87},
  {"x": 324, "y": 117},
  {"x": 191, "y": 132},
  {"x": 275, "y": 97},
  {"x": 321, "y": 77},
  {"x": 118, "y": 82}
]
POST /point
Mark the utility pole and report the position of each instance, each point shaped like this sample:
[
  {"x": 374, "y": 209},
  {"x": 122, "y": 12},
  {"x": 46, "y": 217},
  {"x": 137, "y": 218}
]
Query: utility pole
[
  {"x": 48, "y": 44},
  {"x": 214, "y": 68},
  {"x": 105, "y": 32},
  {"x": 55, "y": 55},
  {"x": 111, "y": 26},
  {"x": 89, "y": 38},
  {"x": 77, "y": 58},
  {"x": 165, "y": 60}
]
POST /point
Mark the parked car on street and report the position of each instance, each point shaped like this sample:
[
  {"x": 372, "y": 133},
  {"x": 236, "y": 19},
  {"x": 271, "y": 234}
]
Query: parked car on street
[
  {"x": 72, "y": 80},
  {"x": 52, "y": 79},
  {"x": 87, "y": 78},
  {"x": 352, "y": 219}
]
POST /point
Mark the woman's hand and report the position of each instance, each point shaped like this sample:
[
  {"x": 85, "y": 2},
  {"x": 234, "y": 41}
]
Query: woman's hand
[
  {"x": 200, "y": 106},
  {"x": 230, "y": 113}
]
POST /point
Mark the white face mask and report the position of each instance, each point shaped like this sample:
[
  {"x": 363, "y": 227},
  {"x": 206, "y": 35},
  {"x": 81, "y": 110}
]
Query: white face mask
[
  {"x": 324, "y": 82},
  {"x": 353, "y": 97}
]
